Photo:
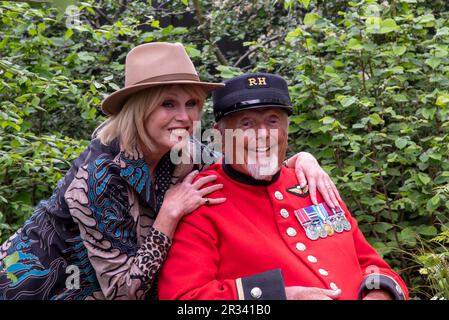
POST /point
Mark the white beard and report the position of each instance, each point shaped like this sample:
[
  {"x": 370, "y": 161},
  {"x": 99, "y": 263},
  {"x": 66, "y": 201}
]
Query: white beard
[{"x": 264, "y": 168}]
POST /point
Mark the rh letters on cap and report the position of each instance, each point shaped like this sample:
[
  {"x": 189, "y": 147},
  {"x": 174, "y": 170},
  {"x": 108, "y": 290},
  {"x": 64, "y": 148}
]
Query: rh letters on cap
[{"x": 257, "y": 82}]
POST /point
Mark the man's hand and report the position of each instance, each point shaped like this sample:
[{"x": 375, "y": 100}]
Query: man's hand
[
  {"x": 378, "y": 295},
  {"x": 311, "y": 293}
]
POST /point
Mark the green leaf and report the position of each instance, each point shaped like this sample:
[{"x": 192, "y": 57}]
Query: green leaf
[
  {"x": 399, "y": 50},
  {"x": 388, "y": 25},
  {"x": 192, "y": 51},
  {"x": 382, "y": 227},
  {"x": 347, "y": 101},
  {"x": 68, "y": 34},
  {"x": 427, "y": 231},
  {"x": 354, "y": 44},
  {"x": 434, "y": 201},
  {"x": 433, "y": 62},
  {"x": 305, "y": 3},
  {"x": 401, "y": 143},
  {"x": 408, "y": 236},
  {"x": 442, "y": 100},
  {"x": 425, "y": 19},
  {"x": 375, "y": 119},
  {"x": 424, "y": 178},
  {"x": 156, "y": 24},
  {"x": 310, "y": 18},
  {"x": 227, "y": 72},
  {"x": 185, "y": 2}
]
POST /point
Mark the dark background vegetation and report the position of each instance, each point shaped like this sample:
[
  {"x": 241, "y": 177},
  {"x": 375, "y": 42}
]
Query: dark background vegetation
[{"x": 368, "y": 79}]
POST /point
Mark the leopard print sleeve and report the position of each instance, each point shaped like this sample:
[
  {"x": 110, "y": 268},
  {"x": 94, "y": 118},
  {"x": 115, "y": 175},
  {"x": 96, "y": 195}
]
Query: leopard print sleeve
[{"x": 151, "y": 255}]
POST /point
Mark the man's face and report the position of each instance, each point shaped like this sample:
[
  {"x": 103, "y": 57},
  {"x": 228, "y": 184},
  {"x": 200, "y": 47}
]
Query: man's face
[{"x": 258, "y": 143}]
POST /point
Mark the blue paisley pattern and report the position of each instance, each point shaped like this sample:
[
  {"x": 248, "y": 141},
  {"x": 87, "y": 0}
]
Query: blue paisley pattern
[{"x": 97, "y": 222}]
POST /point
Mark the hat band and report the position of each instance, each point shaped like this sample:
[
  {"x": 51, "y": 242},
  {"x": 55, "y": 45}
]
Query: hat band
[
  {"x": 171, "y": 77},
  {"x": 249, "y": 104}
]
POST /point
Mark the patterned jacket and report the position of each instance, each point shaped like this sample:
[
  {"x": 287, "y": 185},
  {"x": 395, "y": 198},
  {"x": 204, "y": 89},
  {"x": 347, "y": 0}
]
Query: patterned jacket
[{"x": 93, "y": 238}]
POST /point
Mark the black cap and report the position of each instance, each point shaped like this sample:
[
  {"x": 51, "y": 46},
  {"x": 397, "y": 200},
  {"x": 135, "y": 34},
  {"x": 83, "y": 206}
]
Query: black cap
[{"x": 249, "y": 91}]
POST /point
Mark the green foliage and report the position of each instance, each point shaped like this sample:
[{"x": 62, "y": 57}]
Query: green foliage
[
  {"x": 434, "y": 259},
  {"x": 369, "y": 82}
]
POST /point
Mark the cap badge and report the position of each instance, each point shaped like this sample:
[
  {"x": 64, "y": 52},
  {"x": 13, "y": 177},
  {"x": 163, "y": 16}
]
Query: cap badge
[{"x": 257, "y": 82}]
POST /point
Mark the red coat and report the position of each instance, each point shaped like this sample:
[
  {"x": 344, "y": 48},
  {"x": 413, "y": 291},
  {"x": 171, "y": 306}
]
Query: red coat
[{"x": 253, "y": 245}]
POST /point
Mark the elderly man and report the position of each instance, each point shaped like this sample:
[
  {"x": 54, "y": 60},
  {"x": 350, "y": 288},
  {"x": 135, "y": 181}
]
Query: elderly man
[{"x": 268, "y": 241}]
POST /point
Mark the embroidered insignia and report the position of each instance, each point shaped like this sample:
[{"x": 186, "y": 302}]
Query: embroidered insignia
[{"x": 298, "y": 191}]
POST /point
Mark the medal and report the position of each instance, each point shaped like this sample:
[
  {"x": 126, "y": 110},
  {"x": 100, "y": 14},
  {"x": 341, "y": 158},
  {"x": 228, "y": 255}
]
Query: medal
[
  {"x": 322, "y": 232},
  {"x": 338, "y": 226},
  {"x": 311, "y": 232},
  {"x": 346, "y": 225},
  {"x": 329, "y": 229}
]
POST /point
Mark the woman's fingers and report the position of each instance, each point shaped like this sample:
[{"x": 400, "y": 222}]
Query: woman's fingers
[
  {"x": 210, "y": 189},
  {"x": 203, "y": 180},
  {"x": 312, "y": 190},
  {"x": 189, "y": 178},
  {"x": 334, "y": 187},
  {"x": 213, "y": 201},
  {"x": 325, "y": 193},
  {"x": 301, "y": 178},
  {"x": 330, "y": 187}
]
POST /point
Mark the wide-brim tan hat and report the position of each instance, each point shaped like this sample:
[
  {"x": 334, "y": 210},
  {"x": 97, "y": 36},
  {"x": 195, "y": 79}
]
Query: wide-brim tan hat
[{"x": 154, "y": 64}]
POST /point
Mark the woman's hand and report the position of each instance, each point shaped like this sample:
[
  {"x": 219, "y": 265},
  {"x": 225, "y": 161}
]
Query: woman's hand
[
  {"x": 311, "y": 293},
  {"x": 309, "y": 172},
  {"x": 184, "y": 198}
]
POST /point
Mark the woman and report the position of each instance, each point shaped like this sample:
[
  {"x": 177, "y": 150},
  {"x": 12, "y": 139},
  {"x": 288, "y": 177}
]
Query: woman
[{"x": 106, "y": 229}]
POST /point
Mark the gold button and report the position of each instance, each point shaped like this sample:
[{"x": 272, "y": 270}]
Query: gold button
[
  {"x": 284, "y": 213},
  {"x": 323, "y": 272},
  {"x": 278, "y": 195},
  {"x": 312, "y": 259},
  {"x": 300, "y": 246},
  {"x": 291, "y": 232},
  {"x": 256, "y": 292}
]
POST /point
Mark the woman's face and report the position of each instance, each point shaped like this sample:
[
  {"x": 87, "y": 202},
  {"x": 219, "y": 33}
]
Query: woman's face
[{"x": 173, "y": 118}]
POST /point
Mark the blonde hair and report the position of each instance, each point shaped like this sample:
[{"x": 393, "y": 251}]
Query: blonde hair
[{"x": 128, "y": 126}]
